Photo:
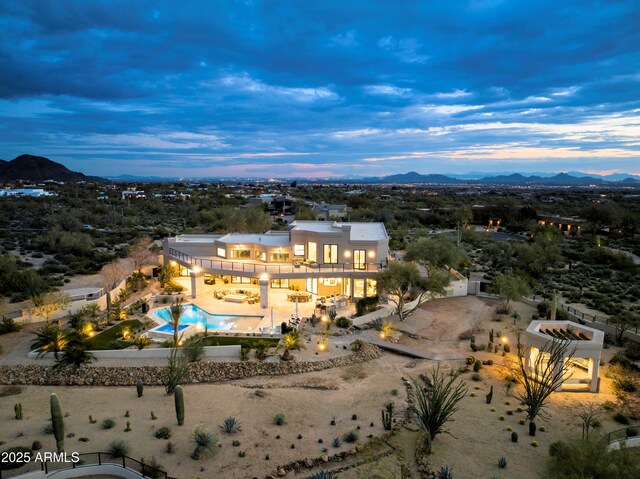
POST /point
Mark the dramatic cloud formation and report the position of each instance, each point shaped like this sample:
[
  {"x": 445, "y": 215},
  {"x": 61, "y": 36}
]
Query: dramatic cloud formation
[{"x": 313, "y": 89}]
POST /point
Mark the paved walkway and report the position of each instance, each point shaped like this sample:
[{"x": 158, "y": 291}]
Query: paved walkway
[{"x": 413, "y": 352}]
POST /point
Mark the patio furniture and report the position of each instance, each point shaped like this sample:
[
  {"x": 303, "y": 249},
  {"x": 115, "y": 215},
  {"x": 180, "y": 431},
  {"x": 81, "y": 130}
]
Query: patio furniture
[{"x": 236, "y": 298}]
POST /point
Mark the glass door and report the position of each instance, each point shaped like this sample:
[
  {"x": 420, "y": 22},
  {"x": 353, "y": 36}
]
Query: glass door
[
  {"x": 312, "y": 252},
  {"x": 359, "y": 259}
]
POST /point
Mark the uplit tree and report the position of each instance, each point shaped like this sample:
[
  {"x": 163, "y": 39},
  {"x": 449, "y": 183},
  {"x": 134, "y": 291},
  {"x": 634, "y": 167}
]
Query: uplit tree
[
  {"x": 48, "y": 303},
  {"x": 401, "y": 281},
  {"x": 112, "y": 274},
  {"x": 510, "y": 288},
  {"x": 141, "y": 254}
]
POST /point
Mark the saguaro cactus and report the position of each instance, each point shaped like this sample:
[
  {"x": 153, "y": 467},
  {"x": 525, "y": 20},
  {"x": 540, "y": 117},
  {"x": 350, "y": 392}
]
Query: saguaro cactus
[
  {"x": 18, "y": 410},
  {"x": 179, "y": 400},
  {"x": 139, "y": 387},
  {"x": 57, "y": 422},
  {"x": 387, "y": 414},
  {"x": 532, "y": 428},
  {"x": 489, "y": 396}
]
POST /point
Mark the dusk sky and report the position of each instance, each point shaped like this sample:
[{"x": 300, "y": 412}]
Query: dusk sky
[{"x": 314, "y": 89}]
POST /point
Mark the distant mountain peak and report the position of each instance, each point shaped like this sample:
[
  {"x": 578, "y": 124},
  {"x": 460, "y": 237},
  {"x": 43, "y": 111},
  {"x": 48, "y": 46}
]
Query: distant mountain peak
[{"x": 37, "y": 168}]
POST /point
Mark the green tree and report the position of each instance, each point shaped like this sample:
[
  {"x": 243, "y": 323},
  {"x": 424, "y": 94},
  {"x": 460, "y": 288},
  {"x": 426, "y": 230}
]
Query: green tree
[
  {"x": 510, "y": 288},
  {"x": 435, "y": 253},
  {"x": 401, "y": 281}
]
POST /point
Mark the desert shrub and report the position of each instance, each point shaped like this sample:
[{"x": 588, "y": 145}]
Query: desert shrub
[
  {"x": 107, "y": 423},
  {"x": 476, "y": 377},
  {"x": 118, "y": 448},
  {"x": 366, "y": 305},
  {"x": 558, "y": 449},
  {"x": 357, "y": 345},
  {"x": 279, "y": 419},
  {"x": 163, "y": 433},
  {"x": 343, "y": 322},
  {"x": 8, "y": 325},
  {"x": 632, "y": 350},
  {"x": 621, "y": 418},
  {"x": 193, "y": 349},
  {"x": 351, "y": 436}
]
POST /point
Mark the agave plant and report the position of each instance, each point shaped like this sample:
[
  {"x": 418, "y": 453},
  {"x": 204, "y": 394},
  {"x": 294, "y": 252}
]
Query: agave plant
[
  {"x": 204, "y": 440},
  {"x": 324, "y": 475},
  {"x": 445, "y": 472},
  {"x": 230, "y": 425}
]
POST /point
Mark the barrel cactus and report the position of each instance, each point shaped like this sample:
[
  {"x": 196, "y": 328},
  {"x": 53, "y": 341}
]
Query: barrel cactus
[
  {"x": 179, "y": 400},
  {"x": 57, "y": 422}
]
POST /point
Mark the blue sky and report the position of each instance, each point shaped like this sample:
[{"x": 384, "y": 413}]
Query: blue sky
[{"x": 312, "y": 89}]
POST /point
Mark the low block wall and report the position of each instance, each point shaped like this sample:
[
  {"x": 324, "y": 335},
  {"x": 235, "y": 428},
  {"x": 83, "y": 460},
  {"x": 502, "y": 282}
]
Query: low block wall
[
  {"x": 209, "y": 352},
  {"x": 200, "y": 372}
]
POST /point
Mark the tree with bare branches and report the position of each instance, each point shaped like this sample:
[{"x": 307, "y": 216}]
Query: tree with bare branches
[
  {"x": 48, "y": 303},
  {"x": 550, "y": 368},
  {"x": 588, "y": 413},
  {"x": 140, "y": 252},
  {"x": 112, "y": 274}
]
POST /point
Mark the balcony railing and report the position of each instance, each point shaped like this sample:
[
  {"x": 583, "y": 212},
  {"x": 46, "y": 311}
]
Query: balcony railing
[{"x": 273, "y": 269}]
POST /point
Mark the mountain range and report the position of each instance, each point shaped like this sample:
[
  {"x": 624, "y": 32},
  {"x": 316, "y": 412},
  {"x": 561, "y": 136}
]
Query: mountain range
[{"x": 39, "y": 168}]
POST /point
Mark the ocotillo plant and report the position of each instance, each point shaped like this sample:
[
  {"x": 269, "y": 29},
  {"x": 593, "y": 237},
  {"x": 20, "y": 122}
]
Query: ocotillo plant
[
  {"x": 57, "y": 422},
  {"x": 179, "y": 399},
  {"x": 18, "y": 410},
  {"x": 489, "y": 396},
  {"x": 139, "y": 387}
]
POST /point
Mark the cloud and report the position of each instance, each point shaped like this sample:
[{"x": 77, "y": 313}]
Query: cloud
[
  {"x": 405, "y": 49},
  {"x": 245, "y": 84},
  {"x": 389, "y": 90}
]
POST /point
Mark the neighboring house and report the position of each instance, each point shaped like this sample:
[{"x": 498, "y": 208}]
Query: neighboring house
[
  {"x": 320, "y": 257},
  {"x": 566, "y": 224},
  {"x": 133, "y": 194},
  {"x": 325, "y": 211},
  {"x": 26, "y": 192}
]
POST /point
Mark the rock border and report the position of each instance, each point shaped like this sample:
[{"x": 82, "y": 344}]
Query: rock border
[{"x": 200, "y": 372}]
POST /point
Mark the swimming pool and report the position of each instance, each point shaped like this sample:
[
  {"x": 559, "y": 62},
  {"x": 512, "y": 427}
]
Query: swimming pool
[
  {"x": 167, "y": 328},
  {"x": 203, "y": 319}
]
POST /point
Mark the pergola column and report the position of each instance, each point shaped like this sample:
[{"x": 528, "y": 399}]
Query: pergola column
[
  {"x": 197, "y": 284},
  {"x": 594, "y": 366},
  {"x": 264, "y": 292}
]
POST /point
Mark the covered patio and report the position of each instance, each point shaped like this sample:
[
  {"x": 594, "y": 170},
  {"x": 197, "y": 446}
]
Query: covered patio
[{"x": 583, "y": 352}]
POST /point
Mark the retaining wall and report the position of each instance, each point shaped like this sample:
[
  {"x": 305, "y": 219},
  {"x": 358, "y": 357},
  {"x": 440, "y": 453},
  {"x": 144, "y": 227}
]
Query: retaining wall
[
  {"x": 199, "y": 372},
  {"x": 209, "y": 352}
]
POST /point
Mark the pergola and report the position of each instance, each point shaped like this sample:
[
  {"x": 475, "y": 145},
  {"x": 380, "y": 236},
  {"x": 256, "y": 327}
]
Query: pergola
[{"x": 583, "y": 351}]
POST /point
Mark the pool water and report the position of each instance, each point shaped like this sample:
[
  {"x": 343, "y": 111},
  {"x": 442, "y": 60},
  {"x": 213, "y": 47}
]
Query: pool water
[
  {"x": 167, "y": 328},
  {"x": 195, "y": 315}
]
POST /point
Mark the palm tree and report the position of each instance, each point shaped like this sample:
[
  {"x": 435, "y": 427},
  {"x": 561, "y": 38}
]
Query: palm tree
[
  {"x": 290, "y": 341},
  {"x": 175, "y": 313},
  {"x": 50, "y": 339},
  {"x": 75, "y": 353}
]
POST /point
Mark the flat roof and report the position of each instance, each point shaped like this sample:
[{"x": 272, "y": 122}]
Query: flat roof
[
  {"x": 264, "y": 239},
  {"x": 358, "y": 231}
]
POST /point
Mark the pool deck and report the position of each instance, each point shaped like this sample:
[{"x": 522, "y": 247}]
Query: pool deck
[{"x": 282, "y": 308}]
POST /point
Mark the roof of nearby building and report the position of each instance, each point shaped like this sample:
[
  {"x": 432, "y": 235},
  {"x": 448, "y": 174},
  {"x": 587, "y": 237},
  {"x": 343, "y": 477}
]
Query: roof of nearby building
[
  {"x": 358, "y": 231},
  {"x": 264, "y": 239}
]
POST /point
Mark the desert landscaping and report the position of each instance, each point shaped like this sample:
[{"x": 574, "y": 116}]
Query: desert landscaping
[{"x": 317, "y": 408}]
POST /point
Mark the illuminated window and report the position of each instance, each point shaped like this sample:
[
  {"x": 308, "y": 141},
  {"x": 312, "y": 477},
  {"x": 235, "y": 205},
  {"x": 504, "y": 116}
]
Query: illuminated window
[
  {"x": 279, "y": 257},
  {"x": 372, "y": 288},
  {"x": 330, "y": 253},
  {"x": 261, "y": 256},
  {"x": 240, "y": 253},
  {"x": 298, "y": 250},
  {"x": 312, "y": 252},
  {"x": 280, "y": 283},
  {"x": 359, "y": 259},
  {"x": 222, "y": 252},
  {"x": 358, "y": 288}
]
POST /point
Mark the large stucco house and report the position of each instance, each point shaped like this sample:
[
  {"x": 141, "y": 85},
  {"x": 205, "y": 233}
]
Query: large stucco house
[{"x": 319, "y": 257}]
